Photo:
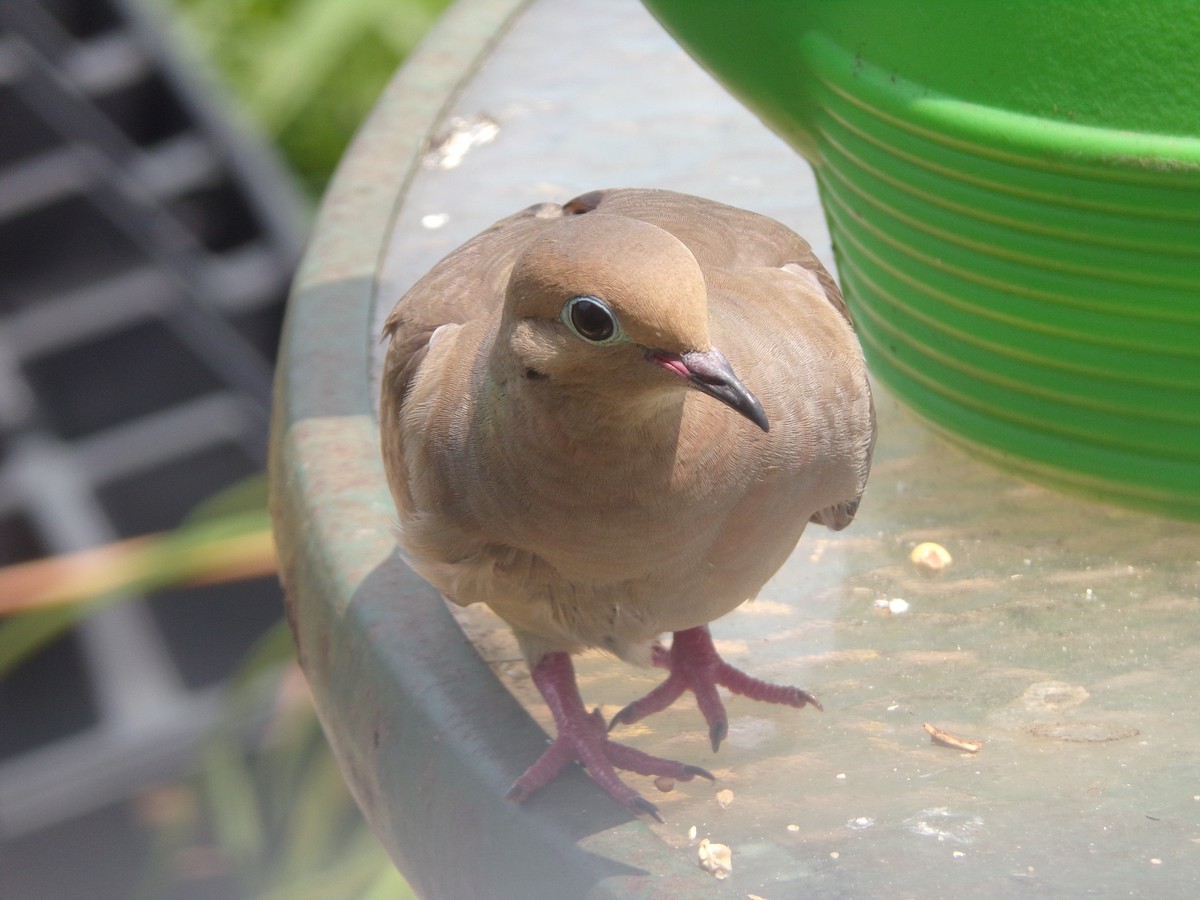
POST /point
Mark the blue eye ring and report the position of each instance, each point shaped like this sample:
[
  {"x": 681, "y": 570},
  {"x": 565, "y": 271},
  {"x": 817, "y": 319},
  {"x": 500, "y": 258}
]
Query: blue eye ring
[{"x": 590, "y": 319}]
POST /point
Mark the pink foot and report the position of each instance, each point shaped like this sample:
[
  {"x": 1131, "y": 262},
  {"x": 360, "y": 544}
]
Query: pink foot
[
  {"x": 582, "y": 737},
  {"x": 695, "y": 666}
]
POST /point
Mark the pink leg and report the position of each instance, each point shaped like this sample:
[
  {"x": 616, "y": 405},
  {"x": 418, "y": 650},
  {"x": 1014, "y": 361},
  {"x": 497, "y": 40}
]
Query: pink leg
[
  {"x": 583, "y": 737},
  {"x": 694, "y": 665}
]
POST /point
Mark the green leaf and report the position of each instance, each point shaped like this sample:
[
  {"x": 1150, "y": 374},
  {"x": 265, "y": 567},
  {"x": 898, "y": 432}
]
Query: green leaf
[
  {"x": 388, "y": 885},
  {"x": 233, "y": 808},
  {"x": 24, "y": 635},
  {"x": 246, "y": 496}
]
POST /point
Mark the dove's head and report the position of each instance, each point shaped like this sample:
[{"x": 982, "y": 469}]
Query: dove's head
[{"x": 615, "y": 309}]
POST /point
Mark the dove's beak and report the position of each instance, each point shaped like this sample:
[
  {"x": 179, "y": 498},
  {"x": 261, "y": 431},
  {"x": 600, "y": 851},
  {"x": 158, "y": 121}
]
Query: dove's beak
[{"x": 709, "y": 371}]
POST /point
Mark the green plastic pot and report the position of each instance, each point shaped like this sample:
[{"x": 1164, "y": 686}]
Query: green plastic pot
[{"x": 1013, "y": 190}]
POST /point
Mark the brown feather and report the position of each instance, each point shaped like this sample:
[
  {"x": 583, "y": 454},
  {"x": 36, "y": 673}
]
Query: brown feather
[{"x": 587, "y": 494}]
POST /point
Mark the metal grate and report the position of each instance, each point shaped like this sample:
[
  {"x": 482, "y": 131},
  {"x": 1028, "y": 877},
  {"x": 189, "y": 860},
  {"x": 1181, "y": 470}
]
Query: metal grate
[{"x": 145, "y": 250}]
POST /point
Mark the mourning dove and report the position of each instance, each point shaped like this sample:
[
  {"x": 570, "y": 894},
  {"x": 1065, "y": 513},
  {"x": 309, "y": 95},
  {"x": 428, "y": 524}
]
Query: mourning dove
[{"x": 612, "y": 419}]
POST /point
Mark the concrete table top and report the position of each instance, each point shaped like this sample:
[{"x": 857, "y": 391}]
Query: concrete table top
[{"x": 1064, "y": 636}]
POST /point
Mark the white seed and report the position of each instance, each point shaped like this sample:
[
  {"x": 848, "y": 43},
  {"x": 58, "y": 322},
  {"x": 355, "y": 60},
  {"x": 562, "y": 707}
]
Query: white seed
[
  {"x": 930, "y": 557},
  {"x": 716, "y": 859}
]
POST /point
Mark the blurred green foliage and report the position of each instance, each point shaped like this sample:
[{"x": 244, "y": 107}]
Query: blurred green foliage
[
  {"x": 275, "y": 809},
  {"x": 306, "y": 70},
  {"x": 267, "y": 815}
]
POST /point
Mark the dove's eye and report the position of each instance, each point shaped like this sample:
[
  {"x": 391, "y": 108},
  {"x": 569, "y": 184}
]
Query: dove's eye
[{"x": 591, "y": 319}]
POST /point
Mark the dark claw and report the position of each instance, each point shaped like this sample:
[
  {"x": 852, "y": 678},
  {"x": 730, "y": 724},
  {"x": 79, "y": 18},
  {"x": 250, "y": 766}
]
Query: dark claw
[
  {"x": 691, "y": 772},
  {"x": 810, "y": 700},
  {"x": 717, "y": 732},
  {"x": 619, "y": 718},
  {"x": 516, "y": 793},
  {"x": 641, "y": 804}
]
